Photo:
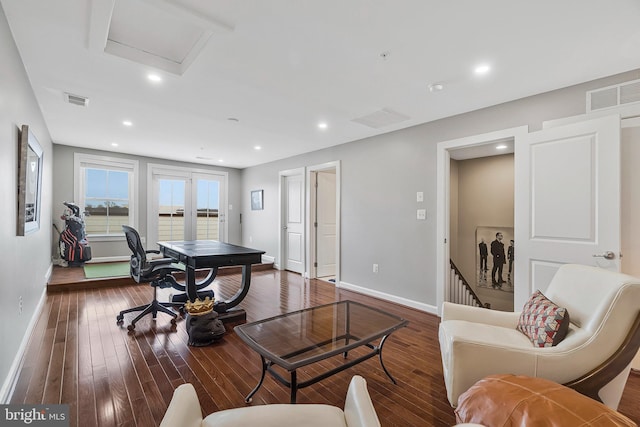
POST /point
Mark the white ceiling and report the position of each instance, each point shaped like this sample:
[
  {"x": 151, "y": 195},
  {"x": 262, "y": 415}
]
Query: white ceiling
[{"x": 280, "y": 67}]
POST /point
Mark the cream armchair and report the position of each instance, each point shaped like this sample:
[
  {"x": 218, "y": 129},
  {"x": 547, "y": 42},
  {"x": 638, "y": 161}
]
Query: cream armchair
[
  {"x": 594, "y": 357},
  {"x": 184, "y": 411}
]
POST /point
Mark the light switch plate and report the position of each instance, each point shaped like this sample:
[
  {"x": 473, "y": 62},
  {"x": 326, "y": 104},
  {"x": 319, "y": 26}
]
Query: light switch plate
[
  {"x": 419, "y": 196},
  {"x": 421, "y": 214}
]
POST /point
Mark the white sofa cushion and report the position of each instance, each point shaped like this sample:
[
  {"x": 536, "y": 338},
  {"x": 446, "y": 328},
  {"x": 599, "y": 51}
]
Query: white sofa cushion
[
  {"x": 184, "y": 411},
  {"x": 278, "y": 415}
]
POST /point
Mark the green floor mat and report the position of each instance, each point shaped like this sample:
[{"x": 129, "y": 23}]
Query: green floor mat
[{"x": 109, "y": 269}]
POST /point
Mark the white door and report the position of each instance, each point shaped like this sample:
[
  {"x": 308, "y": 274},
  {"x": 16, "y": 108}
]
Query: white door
[
  {"x": 170, "y": 201},
  {"x": 567, "y": 201},
  {"x": 325, "y": 223},
  {"x": 185, "y": 205},
  {"x": 293, "y": 223},
  {"x": 208, "y": 214}
]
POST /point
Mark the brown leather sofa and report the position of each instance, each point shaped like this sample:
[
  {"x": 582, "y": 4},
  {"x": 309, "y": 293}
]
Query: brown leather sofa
[{"x": 511, "y": 400}]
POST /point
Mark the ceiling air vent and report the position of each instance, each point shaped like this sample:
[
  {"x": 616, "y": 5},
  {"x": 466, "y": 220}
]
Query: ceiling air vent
[
  {"x": 381, "y": 118},
  {"x": 76, "y": 99},
  {"x": 613, "y": 96}
]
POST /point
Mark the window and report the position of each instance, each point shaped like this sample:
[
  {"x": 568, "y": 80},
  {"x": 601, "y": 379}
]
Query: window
[{"x": 105, "y": 190}]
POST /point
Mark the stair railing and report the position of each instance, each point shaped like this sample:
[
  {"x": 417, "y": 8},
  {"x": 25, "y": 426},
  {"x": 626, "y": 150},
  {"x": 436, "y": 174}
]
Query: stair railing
[{"x": 460, "y": 291}]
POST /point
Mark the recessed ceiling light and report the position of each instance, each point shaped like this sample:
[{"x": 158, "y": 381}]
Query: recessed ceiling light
[
  {"x": 114, "y": 144},
  {"x": 322, "y": 125},
  {"x": 233, "y": 119},
  {"x": 501, "y": 147},
  {"x": 221, "y": 160},
  {"x": 436, "y": 87},
  {"x": 257, "y": 147},
  {"x": 482, "y": 69},
  {"x": 127, "y": 123},
  {"x": 154, "y": 78}
]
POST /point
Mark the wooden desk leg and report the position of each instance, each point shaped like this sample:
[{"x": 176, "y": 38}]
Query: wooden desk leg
[
  {"x": 223, "y": 306},
  {"x": 192, "y": 292}
]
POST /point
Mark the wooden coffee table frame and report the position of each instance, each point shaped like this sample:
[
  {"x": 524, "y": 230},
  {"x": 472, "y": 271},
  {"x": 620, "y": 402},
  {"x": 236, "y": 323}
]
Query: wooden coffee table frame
[{"x": 350, "y": 340}]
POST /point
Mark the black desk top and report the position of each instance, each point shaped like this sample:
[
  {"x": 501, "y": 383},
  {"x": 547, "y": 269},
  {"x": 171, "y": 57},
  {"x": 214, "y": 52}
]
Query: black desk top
[{"x": 207, "y": 248}]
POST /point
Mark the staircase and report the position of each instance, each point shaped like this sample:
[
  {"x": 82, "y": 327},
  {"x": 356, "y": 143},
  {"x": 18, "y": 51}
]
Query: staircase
[{"x": 459, "y": 290}]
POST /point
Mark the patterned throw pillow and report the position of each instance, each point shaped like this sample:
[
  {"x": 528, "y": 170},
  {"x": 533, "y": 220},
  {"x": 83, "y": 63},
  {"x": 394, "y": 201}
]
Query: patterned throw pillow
[{"x": 543, "y": 322}]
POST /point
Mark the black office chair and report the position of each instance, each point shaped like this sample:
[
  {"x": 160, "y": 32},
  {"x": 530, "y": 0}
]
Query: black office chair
[{"x": 157, "y": 272}]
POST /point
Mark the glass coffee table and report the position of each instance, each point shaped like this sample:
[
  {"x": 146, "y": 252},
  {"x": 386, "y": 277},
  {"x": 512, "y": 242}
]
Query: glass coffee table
[{"x": 297, "y": 339}]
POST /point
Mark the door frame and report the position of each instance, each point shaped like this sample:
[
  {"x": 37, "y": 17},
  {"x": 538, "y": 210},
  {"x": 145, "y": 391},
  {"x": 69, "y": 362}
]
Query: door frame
[
  {"x": 187, "y": 173},
  {"x": 443, "y": 199},
  {"x": 282, "y": 175},
  {"x": 311, "y": 191}
]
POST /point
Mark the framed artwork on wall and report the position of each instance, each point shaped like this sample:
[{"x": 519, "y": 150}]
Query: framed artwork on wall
[
  {"x": 29, "y": 182},
  {"x": 495, "y": 252},
  {"x": 256, "y": 200}
]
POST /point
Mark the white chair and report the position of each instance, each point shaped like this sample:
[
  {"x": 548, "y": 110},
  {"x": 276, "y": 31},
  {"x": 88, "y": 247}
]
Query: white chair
[
  {"x": 594, "y": 358},
  {"x": 184, "y": 411}
]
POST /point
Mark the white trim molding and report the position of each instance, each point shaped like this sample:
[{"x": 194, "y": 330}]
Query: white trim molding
[
  {"x": 9, "y": 384},
  {"x": 428, "y": 308},
  {"x": 443, "y": 192}
]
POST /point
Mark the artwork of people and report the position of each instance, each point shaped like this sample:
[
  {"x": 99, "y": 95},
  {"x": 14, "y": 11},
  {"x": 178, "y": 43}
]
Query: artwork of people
[{"x": 501, "y": 258}]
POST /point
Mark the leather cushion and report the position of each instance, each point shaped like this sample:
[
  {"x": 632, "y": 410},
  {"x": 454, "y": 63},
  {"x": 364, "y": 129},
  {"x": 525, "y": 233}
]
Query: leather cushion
[
  {"x": 545, "y": 323},
  {"x": 510, "y": 400}
]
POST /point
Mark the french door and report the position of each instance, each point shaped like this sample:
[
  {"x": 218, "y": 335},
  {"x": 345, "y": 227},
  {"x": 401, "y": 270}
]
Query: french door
[{"x": 186, "y": 205}]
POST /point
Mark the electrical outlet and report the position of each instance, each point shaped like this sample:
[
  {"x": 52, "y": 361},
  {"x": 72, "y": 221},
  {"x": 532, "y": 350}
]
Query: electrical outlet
[
  {"x": 375, "y": 268},
  {"x": 250, "y": 239}
]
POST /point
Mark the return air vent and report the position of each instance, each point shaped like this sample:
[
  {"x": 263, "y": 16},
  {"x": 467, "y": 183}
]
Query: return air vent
[
  {"x": 76, "y": 99},
  {"x": 613, "y": 96},
  {"x": 381, "y": 118}
]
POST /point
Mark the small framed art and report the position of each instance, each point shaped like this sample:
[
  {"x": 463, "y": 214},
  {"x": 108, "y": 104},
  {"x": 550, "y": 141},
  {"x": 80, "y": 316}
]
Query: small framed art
[{"x": 256, "y": 200}]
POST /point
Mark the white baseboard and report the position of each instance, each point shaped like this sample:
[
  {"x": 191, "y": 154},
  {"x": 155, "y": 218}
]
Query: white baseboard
[
  {"x": 266, "y": 259},
  {"x": 10, "y": 381},
  {"x": 393, "y": 298}
]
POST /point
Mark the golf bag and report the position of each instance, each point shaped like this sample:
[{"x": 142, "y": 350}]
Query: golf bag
[{"x": 74, "y": 247}]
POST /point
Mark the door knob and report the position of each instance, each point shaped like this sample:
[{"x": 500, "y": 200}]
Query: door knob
[{"x": 606, "y": 255}]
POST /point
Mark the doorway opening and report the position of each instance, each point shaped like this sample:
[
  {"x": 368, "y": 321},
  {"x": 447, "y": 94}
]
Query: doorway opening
[
  {"x": 482, "y": 223},
  {"x": 324, "y": 219},
  {"x": 310, "y": 221},
  {"x": 464, "y": 210}
]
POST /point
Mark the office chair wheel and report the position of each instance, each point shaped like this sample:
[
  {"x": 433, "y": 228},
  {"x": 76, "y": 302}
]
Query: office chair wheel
[
  {"x": 131, "y": 327},
  {"x": 119, "y": 319},
  {"x": 173, "y": 321}
]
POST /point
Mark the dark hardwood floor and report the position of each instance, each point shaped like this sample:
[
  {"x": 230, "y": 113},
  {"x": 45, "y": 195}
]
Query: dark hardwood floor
[{"x": 78, "y": 355}]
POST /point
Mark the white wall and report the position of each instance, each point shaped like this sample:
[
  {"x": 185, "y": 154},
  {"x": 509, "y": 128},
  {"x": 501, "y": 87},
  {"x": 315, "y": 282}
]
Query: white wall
[
  {"x": 24, "y": 261},
  {"x": 380, "y": 176}
]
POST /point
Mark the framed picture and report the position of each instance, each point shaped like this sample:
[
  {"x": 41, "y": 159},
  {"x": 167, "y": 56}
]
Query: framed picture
[
  {"x": 29, "y": 182},
  {"x": 495, "y": 252},
  {"x": 256, "y": 200}
]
